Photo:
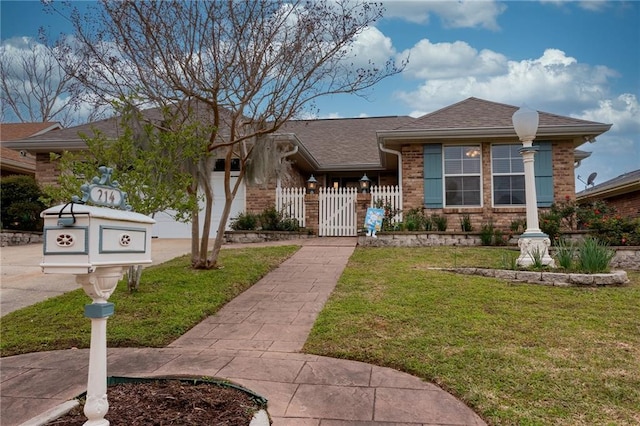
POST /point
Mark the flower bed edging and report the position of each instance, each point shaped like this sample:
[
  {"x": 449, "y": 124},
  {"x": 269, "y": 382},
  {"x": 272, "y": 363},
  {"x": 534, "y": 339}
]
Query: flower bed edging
[
  {"x": 262, "y": 236},
  {"x": 558, "y": 279}
]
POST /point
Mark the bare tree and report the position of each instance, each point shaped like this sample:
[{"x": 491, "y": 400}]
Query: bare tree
[
  {"x": 34, "y": 86},
  {"x": 249, "y": 66}
]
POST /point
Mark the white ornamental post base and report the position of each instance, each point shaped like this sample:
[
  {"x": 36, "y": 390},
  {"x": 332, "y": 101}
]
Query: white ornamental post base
[
  {"x": 534, "y": 247},
  {"x": 98, "y": 285}
]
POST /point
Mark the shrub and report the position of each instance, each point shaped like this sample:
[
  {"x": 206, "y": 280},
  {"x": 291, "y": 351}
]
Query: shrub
[
  {"x": 594, "y": 256},
  {"x": 486, "y": 234},
  {"x": 499, "y": 238},
  {"x": 20, "y": 203},
  {"x": 550, "y": 225},
  {"x": 465, "y": 223},
  {"x": 440, "y": 222},
  {"x": 289, "y": 224},
  {"x": 414, "y": 220},
  {"x": 390, "y": 213},
  {"x": 244, "y": 222},
  {"x": 269, "y": 219},
  {"x": 518, "y": 226}
]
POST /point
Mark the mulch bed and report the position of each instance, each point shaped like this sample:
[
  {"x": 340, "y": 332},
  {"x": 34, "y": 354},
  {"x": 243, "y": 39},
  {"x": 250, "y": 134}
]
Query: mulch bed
[{"x": 172, "y": 402}]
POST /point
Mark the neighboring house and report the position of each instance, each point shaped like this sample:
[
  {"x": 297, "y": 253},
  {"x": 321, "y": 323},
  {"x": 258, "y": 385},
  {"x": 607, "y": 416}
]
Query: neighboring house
[
  {"x": 20, "y": 162},
  {"x": 622, "y": 192},
  {"x": 462, "y": 159}
]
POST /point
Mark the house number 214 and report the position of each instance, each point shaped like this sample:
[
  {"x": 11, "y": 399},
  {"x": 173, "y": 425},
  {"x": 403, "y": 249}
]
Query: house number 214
[{"x": 106, "y": 196}]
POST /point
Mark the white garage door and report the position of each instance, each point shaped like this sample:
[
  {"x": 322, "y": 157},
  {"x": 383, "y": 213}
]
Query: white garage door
[{"x": 167, "y": 227}]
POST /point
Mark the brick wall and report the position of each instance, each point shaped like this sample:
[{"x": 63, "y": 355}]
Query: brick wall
[
  {"x": 260, "y": 197},
  {"x": 312, "y": 206},
  {"x": 412, "y": 177},
  {"x": 413, "y": 187},
  {"x": 47, "y": 171},
  {"x": 563, "y": 170},
  {"x": 627, "y": 204}
]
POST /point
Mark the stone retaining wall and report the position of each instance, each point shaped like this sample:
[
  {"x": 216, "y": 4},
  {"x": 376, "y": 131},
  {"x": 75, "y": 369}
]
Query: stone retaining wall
[
  {"x": 625, "y": 258},
  {"x": 615, "y": 278},
  {"x": 260, "y": 236},
  {"x": 20, "y": 238}
]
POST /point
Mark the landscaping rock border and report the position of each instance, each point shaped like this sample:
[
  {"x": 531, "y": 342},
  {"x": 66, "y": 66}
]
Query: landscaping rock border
[
  {"x": 262, "y": 236},
  {"x": 558, "y": 279}
]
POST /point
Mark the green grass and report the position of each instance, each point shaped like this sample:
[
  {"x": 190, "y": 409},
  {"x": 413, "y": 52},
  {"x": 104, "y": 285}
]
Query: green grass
[
  {"x": 519, "y": 354},
  {"x": 172, "y": 299}
]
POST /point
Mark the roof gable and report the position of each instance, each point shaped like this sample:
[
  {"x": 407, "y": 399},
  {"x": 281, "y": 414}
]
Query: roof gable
[
  {"x": 475, "y": 113},
  {"x": 14, "y": 131}
]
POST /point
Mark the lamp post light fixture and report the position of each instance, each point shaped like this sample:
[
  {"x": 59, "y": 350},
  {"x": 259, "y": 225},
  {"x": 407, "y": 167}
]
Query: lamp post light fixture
[
  {"x": 312, "y": 185},
  {"x": 534, "y": 244},
  {"x": 365, "y": 184}
]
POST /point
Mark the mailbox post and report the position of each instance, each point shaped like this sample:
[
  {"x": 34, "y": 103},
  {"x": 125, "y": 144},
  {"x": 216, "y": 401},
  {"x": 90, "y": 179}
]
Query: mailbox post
[{"x": 96, "y": 243}]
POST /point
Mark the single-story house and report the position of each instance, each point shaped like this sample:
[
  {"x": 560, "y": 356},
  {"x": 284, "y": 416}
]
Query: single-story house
[
  {"x": 20, "y": 162},
  {"x": 622, "y": 192},
  {"x": 460, "y": 160}
]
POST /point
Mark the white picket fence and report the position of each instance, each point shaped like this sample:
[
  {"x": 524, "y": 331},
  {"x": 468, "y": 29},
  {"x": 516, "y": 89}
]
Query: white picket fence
[
  {"x": 337, "y": 212},
  {"x": 337, "y": 207},
  {"x": 290, "y": 201},
  {"x": 390, "y": 196}
]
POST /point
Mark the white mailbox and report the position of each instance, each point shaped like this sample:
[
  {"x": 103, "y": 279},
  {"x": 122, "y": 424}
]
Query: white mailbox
[{"x": 79, "y": 238}]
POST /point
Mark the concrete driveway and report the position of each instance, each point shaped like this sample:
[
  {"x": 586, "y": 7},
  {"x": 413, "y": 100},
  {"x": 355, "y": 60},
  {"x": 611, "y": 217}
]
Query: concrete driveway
[{"x": 22, "y": 282}]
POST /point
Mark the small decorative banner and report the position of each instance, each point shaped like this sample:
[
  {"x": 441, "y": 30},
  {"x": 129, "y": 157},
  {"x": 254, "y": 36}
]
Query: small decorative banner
[
  {"x": 103, "y": 191},
  {"x": 373, "y": 220}
]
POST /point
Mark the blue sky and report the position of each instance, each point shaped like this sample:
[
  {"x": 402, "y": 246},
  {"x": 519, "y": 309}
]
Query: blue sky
[{"x": 573, "y": 58}]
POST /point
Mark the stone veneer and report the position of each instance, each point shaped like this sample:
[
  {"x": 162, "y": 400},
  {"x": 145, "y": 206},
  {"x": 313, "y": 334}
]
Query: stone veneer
[{"x": 19, "y": 238}]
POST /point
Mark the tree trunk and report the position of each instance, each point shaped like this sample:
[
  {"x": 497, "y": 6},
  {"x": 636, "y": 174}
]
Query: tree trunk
[
  {"x": 230, "y": 195},
  {"x": 133, "y": 278}
]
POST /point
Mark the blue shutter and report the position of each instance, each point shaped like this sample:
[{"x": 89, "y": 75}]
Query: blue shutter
[
  {"x": 543, "y": 170},
  {"x": 433, "y": 176}
]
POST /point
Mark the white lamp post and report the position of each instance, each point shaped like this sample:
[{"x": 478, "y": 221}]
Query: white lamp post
[{"x": 534, "y": 244}]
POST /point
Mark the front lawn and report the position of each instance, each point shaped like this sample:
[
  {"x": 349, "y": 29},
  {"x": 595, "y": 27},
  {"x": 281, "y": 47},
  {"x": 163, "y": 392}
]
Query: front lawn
[
  {"x": 519, "y": 354},
  {"x": 172, "y": 299}
]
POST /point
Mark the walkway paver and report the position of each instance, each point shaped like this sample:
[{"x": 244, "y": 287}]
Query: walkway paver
[{"x": 254, "y": 341}]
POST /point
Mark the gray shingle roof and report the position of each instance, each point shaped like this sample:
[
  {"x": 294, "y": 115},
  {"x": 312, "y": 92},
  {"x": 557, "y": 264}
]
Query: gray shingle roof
[
  {"x": 479, "y": 113},
  {"x": 630, "y": 180},
  {"x": 343, "y": 141}
]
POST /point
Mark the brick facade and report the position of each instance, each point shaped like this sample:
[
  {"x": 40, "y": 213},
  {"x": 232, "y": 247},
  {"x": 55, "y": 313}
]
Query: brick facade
[
  {"x": 502, "y": 217},
  {"x": 627, "y": 205},
  {"x": 47, "y": 171}
]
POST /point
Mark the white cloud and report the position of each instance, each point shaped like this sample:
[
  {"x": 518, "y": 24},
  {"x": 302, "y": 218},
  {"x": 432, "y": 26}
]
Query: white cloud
[
  {"x": 451, "y": 60},
  {"x": 371, "y": 45},
  {"x": 623, "y": 111},
  {"x": 591, "y": 5},
  {"x": 453, "y": 14},
  {"x": 554, "y": 81}
]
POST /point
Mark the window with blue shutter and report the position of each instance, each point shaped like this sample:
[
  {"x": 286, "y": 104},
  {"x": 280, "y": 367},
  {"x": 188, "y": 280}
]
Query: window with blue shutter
[
  {"x": 433, "y": 176},
  {"x": 543, "y": 170}
]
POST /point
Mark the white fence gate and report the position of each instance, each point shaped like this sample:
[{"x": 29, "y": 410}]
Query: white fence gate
[
  {"x": 290, "y": 201},
  {"x": 391, "y": 197},
  {"x": 337, "y": 211}
]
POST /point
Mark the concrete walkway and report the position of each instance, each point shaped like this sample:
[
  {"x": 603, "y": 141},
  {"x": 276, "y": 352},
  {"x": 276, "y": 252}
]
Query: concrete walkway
[{"x": 254, "y": 341}]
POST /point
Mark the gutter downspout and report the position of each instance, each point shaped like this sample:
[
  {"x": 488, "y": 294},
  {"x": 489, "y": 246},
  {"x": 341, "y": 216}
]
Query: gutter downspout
[{"x": 399, "y": 155}]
